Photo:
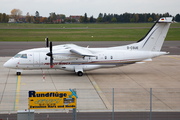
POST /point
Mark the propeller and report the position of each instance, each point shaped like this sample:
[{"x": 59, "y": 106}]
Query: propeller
[
  {"x": 50, "y": 55},
  {"x": 47, "y": 42}
]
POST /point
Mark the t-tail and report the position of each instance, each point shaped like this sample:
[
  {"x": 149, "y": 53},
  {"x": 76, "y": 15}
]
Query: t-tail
[{"x": 154, "y": 39}]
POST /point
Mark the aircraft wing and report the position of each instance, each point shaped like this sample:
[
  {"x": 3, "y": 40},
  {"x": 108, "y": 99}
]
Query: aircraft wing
[{"x": 82, "y": 52}]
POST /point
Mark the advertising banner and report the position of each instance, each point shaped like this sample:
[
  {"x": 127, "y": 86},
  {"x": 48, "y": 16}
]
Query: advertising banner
[{"x": 52, "y": 100}]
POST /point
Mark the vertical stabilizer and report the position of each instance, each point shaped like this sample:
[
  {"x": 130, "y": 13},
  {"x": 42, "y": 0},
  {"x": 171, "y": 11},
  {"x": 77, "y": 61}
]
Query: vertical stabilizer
[{"x": 155, "y": 37}]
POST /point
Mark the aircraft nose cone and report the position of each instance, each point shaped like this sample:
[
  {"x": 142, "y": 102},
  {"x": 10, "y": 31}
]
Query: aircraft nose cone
[
  {"x": 5, "y": 64},
  {"x": 8, "y": 64}
]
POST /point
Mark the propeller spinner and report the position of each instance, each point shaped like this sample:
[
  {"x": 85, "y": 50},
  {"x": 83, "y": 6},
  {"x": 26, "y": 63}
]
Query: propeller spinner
[{"x": 50, "y": 55}]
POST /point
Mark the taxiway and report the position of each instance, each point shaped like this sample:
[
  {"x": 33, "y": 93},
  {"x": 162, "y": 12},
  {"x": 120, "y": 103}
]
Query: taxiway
[{"x": 131, "y": 83}]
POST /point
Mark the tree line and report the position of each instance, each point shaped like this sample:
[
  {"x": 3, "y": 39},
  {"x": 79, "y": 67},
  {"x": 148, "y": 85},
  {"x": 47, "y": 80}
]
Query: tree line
[
  {"x": 4, "y": 18},
  {"x": 127, "y": 17},
  {"x": 16, "y": 14},
  {"x": 130, "y": 17}
]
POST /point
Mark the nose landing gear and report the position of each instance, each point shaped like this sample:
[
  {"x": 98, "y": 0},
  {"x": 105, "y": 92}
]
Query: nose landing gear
[{"x": 18, "y": 73}]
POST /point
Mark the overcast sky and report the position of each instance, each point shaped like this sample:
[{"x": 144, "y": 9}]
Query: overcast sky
[{"x": 91, "y": 7}]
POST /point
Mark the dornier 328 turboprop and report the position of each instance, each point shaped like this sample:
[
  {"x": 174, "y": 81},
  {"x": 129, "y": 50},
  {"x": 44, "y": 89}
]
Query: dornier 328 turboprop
[{"x": 75, "y": 58}]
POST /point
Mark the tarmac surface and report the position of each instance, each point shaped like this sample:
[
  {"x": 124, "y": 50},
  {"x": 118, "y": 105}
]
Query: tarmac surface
[{"x": 131, "y": 84}]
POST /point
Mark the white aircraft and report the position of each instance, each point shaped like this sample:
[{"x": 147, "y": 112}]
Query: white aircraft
[{"x": 71, "y": 57}]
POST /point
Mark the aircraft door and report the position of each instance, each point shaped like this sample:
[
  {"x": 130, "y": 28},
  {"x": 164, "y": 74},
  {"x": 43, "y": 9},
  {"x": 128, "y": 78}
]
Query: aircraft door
[
  {"x": 36, "y": 60},
  {"x": 30, "y": 59},
  {"x": 43, "y": 59}
]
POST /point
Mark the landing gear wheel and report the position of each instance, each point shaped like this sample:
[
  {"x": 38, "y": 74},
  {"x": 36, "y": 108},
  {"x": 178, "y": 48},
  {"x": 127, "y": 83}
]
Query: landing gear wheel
[
  {"x": 18, "y": 73},
  {"x": 80, "y": 73}
]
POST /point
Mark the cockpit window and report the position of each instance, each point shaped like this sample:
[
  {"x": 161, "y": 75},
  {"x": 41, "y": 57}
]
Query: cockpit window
[
  {"x": 17, "y": 56},
  {"x": 24, "y": 56},
  {"x": 20, "y": 56}
]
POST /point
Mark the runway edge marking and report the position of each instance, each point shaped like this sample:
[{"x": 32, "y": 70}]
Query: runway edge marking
[
  {"x": 16, "y": 102},
  {"x": 107, "y": 104}
]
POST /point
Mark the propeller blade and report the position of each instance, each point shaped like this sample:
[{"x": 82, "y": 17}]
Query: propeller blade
[
  {"x": 50, "y": 47},
  {"x": 50, "y": 54},
  {"x": 51, "y": 62},
  {"x": 47, "y": 42},
  {"x": 51, "y": 59}
]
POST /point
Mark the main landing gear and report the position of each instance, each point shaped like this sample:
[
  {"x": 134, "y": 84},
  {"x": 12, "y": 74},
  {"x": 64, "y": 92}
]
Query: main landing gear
[
  {"x": 80, "y": 73},
  {"x": 79, "y": 70}
]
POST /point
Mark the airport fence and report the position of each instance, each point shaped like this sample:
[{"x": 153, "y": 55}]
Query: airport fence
[{"x": 105, "y": 104}]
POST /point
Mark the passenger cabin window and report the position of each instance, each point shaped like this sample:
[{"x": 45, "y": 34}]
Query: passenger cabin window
[
  {"x": 111, "y": 57},
  {"x": 96, "y": 57},
  {"x": 24, "y": 56},
  {"x": 105, "y": 57}
]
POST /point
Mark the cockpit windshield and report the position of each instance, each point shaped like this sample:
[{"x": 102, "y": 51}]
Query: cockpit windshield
[
  {"x": 17, "y": 56},
  {"x": 20, "y": 56}
]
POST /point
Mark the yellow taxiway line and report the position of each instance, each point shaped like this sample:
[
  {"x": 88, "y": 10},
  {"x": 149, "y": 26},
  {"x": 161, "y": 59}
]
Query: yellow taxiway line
[
  {"x": 103, "y": 98},
  {"x": 174, "y": 57},
  {"x": 16, "y": 102}
]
